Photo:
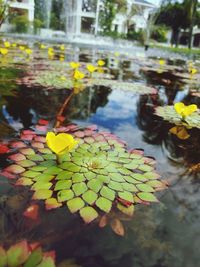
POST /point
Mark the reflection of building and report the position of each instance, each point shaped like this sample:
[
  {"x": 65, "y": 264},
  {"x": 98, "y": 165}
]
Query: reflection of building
[
  {"x": 83, "y": 15},
  {"x": 19, "y": 7}
]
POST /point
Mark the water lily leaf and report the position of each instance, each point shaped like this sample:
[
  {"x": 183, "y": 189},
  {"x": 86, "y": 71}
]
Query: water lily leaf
[
  {"x": 70, "y": 167},
  {"x": 145, "y": 168},
  {"x": 65, "y": 195},
  {"x": 27, "y": 151},
  {"x": 42, "y": 194},
  {"x": 156, "y": 184},
  {"x": 104, "y": 204},
  {"x": 34, "y": 259},
  {"x": 52, "y": 203},
  {"x": 149, "y": 197},
  {"x": 18, "y": 144},
  {"x": 64, "y": 175},
  {"x": 115, "y": 186},
  {"x": 35, "y": 157},
  {"x": 24, "y": 181},
  {"x": 116, "y": 177},
  {"x": 17, "y": 157},
  {"x": 44, "y": 150},
  {"x": 103, "y": 178},
  {"x": 126, "y": 210},
  {"x": 30, "y": 174},
  {"x": 131, "y": 166},
  {"x": 18, "y": 254},
  {"x": 3, "y": 257},
  {"x": 53, "y": 170},
  {"x": 26, "y": 163},
  {"x": 38, "y": 168},
  {"x": 131, "y": 180},
  {"x": 95, "y": 185},
  {"x": 90, "y": 197},
  {"x": 130, "y": 187},
  {"x": 88, "y": 214},
  {"x": 140, "y": 177},
  {"x": 151, "y": 175},
  {"x": 78, "y": 177},
  {"x": 16, "y": 169},
  {"x": 63, "y": 184},
  {"x": 46, "y": 262},
  {"x": 47, "y": 163},
  {"x": 45, "y": 177},
  {"x": 107, "y": 193},
  {"x": 145, "y": 188},
  {"x": 75, "y": 204},
  {"x": 79, "y": 188},
  {"x": 41, "y": 185},
  {"x": 126, "y": 196},
  {"x": 49, "y": 156},
  {"x": 117, "y": 227}
]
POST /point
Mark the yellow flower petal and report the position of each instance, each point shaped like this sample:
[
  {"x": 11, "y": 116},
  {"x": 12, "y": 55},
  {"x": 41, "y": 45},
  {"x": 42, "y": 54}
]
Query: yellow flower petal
[
  {"x": 101, "y": 63},
  {"x": 7, "y": 44},
  {"x": 183, "y": 110},
  {"x": 74, "y": 65},
  {"x": 3, "y": 51},
  {"x": 91, "y": 68},
  {"x": 78, "y": 75},
  {"x": 60, "y": 143}
]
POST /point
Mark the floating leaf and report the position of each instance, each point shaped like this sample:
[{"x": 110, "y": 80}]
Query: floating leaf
[
  {"x": 107, "y": 193},
  {"x": 75, "y": 204},
  {"x": 79, "y": 188},
  {"x": 126, "y": 196},
  {"x": 90, "y": 197},
  {"x": 88, "y": 214},
  {"x": 149, "y": 197},
  {"x": 18, "y": 254},
  {"x": 42, "y": 194},
  {"x": 104, "y": 204},
  {"x": 35, "y": 258},
  {"x": 3, "y": 257},
  {"x": 65, "y": 195},
  {"x": 117, "y": 227},
  {"x": 26, "y": 163},
  {"x": 145, "y": 188},
  {"x": 126, "y": 210},
  {"x": 52, "y": 203},
  {"x": 16, "y": 169}
]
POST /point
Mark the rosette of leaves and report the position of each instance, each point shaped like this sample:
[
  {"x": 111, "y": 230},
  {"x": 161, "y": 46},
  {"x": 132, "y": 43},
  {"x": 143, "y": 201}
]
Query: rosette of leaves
[
  {"x": 26, "y": 255},
  {"x": 125, "y": 86},
  {"x": 169, "y": 114},
  {"x": 100, "y": 175}
]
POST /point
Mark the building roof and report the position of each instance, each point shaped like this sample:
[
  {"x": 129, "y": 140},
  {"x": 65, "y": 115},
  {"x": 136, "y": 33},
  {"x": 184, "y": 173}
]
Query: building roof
[{"x": 144, "y": 2}]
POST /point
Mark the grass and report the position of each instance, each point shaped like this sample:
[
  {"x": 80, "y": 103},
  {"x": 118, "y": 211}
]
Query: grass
[{"x": 180, "y": 50}]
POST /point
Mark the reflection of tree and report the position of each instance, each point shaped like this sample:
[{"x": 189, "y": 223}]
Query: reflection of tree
[
  {"x": 156, "y": 131},
  {"x": 87, "y": 102}
]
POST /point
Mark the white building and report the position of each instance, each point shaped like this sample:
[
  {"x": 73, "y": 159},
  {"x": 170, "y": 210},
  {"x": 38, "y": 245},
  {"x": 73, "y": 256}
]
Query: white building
[
  {"x": 21, "y": 7},
  {"x": 83, "y": 16}
]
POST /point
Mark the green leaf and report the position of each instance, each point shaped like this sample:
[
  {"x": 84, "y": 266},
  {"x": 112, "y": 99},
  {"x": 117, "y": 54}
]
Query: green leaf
[
  {"x": 47, "y": 163},
  {"x": 27, "y": 151},
  {"x": 34, "y": 259},
  {"x": 115, "y": 186},
  {"x": 53, "y": 170},
  {"x": 88, "y": 214},
  {"x": 70, "y": 167},
  {"x": 104, "y": 204},
  {"x": 116, "y": 177},
  {"x": 35, "y": 157},
  {"x": 38, "y": 168},
  {"x": 24, "y": 181},
  {"x": 75, "y": 204},
  {"x": 42, "y": 194},
  {"x": 90, "y": 197},
  {"x": 41, "y": 185},
  {"x": 31, "y": 174},
  {"x": 126, "y": 210},
  {"x": 44, "y": 150},
  {"x": 151, "y": 175},
  {"x": 78, "y": 177},
  {"x": 47, "y": 262},
  {"x": 52, "y": 203},
  {"x": 18, "y": 254},
  {"x": 16, "y": 169},
  {"x": 64, "y": 175},
  {"x": 45, "y": 177},
  {"x": 49, "y": 156},
  {"x": 131, "y": 180},
  {"x": 145, "y": 188},
  {"x": 3, "y": 257},
  {"x": 145, "y": 168},
  {"x": 149, "y": 197},
  {"x": 103, "y": 178},
  {"x": 90, "y": 175},
  {"x": 63, "y": 184},
  {"x": 79, "y": 188},
  {"x": 95, "y": 185},
  {"x": 131, "y": 166},
  {"x": 130, "y": 187},
  {"x": 107, "y": 193},
  {"x": 139, "y": 177},
  {"x": 65, "y": 195},
  {"x": 126, "y": 196}
]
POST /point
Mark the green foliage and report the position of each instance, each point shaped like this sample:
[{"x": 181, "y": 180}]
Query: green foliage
[
  {"x": 21, "y": 23},
  {"x": 159, "y": 33},
  {"x": 98, "y": 176},
  {"x": 3, "y": 8},
  {"x": 107, "y": 15},
  {"x": 136, "y": 35},
  {"x": 37, "y": 24}
]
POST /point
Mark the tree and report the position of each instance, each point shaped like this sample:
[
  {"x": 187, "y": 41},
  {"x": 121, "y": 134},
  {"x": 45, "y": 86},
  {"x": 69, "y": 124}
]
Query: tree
[
  {"x": 107, "y": 15},
  {"x": 3, "y": 11}
]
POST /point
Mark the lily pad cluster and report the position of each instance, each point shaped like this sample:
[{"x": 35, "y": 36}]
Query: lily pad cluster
[
  {"x": 169, "y": 114},
  {"x": 96, "y": 177},
  {"x": 25, "y": 255}
]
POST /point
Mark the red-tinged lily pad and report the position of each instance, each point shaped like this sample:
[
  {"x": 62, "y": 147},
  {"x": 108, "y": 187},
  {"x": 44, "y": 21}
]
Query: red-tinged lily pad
[
  {"x": 41, "y": 128},
  {"x": 37, "y": 145},
  {"x": 18, "y": 144},
  {"x": 32, "y": 212},
  {"x": 24, "y": 181},
  {"x": 43, "y": 122},
  {"x": 27, "y": 137},
  {"x": 17, "y": 157},
  {"x": 27, "y": 151},
  {"x": 18, "y": 254},
  {"x": 42, "y": 194},
  {"x": 40, "y": 139},
  {"x": 8, "y": 175},
  {"x": 52, "y": 203},
  {"x": 47, "y": 262},
  {"x": 16, "y": 169},
  {"x": 4, "y": 149}
]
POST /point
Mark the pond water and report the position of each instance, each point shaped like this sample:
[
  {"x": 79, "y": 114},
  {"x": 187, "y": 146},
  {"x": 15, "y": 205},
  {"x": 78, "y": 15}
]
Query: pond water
[{"x": 158, "y": 235}]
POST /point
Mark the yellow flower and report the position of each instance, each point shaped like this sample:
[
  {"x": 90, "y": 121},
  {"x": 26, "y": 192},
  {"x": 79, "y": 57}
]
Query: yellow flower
[
  {"x": 74, "y": 65},
  {"x": 51, "y": 52},
  {"x": 14, "y": 45},
  {"x": 91, "y": 68},
  {"x": 21, "y": 47},
  {"x": 3, "y": 51},
  {"x": 180, "y": 131},
  {"x": 63, "y": 78},
  {"x": 7, "y": 44},
  {"x": 62, "y": 47},
  {"x": 162, "y": 62},
  {"x": 28, "y": 51},
  {"x": 183, "y": 110},
  {"x": 60, "y": 143},
  {"x": 78, "y": 75},
  {"x": 62, "y": 57},
  {"x": 101, "y": 63},
  {"x": 42, "y": 46},
  {"x": 192, "y": 71}
]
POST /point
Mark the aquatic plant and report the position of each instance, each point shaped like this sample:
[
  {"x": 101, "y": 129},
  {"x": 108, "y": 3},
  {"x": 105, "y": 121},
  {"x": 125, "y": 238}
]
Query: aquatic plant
[
  {"x": 186, "y": 116},
  {"x": 23, "y": 254},
  {"x": 96, "y": 177},
  {"x": 183, "y": 110}
]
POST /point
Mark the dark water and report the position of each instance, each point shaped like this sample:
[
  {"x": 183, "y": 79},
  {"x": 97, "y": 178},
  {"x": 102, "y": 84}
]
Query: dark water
[{"x": 161, "y": 235}]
